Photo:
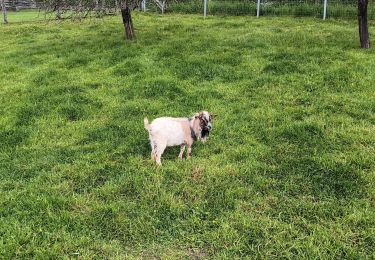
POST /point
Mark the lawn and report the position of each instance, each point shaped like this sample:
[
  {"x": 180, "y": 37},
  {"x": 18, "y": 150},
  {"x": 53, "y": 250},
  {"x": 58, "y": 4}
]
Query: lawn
[
  {"x": 26, "y": 16},
  {"x": 288, "y": 171}
]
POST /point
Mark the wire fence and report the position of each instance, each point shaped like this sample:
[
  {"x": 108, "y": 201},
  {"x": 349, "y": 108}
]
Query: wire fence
[
  {"x": 312, "y": 8},
  {"x": 19, "y": 11},
  {"x": 345, "y": 9}
]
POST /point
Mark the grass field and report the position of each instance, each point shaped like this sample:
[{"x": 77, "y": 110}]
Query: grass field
[
  {"x": 288, "y": 170},
  {"x": 25, "y": 16}
]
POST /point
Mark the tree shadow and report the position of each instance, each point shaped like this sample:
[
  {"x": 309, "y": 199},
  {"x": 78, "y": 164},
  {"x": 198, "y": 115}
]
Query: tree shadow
[{"x": 302, "y": 163}]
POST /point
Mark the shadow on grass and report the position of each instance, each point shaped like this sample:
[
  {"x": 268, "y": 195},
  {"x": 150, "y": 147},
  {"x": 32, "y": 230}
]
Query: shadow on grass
[{"x": 302, "y": 161}]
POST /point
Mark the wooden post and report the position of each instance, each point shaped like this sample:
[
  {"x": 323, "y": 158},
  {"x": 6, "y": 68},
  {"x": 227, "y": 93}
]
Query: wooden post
[
  {"x": 325, "y": 10},
  {"x": 5, "y": 15},
  {"x": 58, "y": 12},
  {"x": 127, "y": 21},
  {"x": 362, "y": 24},
  {"x": 258, "y": 8}
]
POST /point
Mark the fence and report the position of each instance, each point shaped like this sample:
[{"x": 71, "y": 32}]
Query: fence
[
  {"x": 39, "y": 10},
  {"x": 346, "y": 9},
  {"x": 315, "y": 8},
  {"x": 15, "y": 5}
]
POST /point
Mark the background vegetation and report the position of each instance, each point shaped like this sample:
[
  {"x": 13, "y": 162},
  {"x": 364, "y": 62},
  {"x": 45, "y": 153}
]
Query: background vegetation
[
  {"x": 288, "y": 170},
  {"x": 338, "y": 9},
  {"x": 335, "y": 8}
]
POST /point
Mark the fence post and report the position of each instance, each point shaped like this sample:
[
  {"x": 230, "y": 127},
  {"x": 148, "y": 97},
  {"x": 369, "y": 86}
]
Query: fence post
[
  {"x": 143, "y": 5},
  {"x": 325, "y": 10},
  {"x": 258, "y": 8},
  {"x": 204, "y": 8}
]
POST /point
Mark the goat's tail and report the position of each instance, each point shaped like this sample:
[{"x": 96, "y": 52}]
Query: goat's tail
[{"x": 147, "y": 124}]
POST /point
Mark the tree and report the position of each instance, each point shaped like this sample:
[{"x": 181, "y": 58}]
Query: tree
[
  {"x": 5, "y": 15},
  {"x": 161, "y": 4},
  {"x": 362, "y": 24},
  {"x": 82, "y": 8},
  {"x": 127, "y": 21}
]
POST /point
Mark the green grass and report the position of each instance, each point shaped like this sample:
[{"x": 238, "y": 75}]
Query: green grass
[
  {"x": 25, "y": 16},
  {"x": 288, "y": 170}
]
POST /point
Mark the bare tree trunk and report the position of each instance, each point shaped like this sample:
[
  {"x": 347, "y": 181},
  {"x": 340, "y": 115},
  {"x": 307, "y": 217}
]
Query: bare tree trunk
[
  {"x": 161, "y": 4},
  {"x": 5, "y": 15},
  {"x": 103, "y": 6},
  {"x": 13, "y": 6},
  {"x": 116, "y": 5},
  {"x": 127, "y": 21},
  {"x": 362, "y": 24},
  {"x": 58, "y": 12}
]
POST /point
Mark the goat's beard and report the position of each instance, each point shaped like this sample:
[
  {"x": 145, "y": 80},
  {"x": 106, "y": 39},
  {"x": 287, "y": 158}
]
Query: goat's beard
[{"x": 204, "y": 135}]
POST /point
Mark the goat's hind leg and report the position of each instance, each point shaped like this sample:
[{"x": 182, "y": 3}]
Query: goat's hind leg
[
  {"x": 153, "y": 150},
  {"x": 153, "y": 155},
  {"x": 159, "y": 151}
]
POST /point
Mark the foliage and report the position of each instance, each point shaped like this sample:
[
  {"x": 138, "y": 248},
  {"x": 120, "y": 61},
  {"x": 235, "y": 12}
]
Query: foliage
[
  {"x": 84, "y": 8},
  {"x": 288, "y": 170}
]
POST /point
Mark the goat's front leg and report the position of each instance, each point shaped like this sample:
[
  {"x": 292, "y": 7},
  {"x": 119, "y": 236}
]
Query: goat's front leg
[
  {"x": 188, "y": 151},
  {"x": 182, "y": 149}
]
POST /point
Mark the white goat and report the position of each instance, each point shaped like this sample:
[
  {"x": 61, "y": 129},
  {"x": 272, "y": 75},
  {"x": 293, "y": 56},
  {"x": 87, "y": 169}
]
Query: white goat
[{"x": 169, "y": 131}]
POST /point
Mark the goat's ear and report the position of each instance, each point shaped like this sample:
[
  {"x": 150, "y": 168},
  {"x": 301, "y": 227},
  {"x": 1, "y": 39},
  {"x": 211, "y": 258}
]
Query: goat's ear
[
  {"x": 213, "y": 115},
  {"x": 196, "y": 115}
]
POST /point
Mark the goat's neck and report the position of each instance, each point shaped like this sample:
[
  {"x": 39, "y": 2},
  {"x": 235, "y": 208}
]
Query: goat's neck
[{"x": 193, "y": 127}]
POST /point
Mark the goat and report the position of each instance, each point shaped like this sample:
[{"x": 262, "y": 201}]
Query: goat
[{"x": 170, "y": 131}]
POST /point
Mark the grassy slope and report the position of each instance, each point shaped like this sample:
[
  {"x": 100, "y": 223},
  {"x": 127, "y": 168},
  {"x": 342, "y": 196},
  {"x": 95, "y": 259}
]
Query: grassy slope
[{"x": 288, "y": 171}]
